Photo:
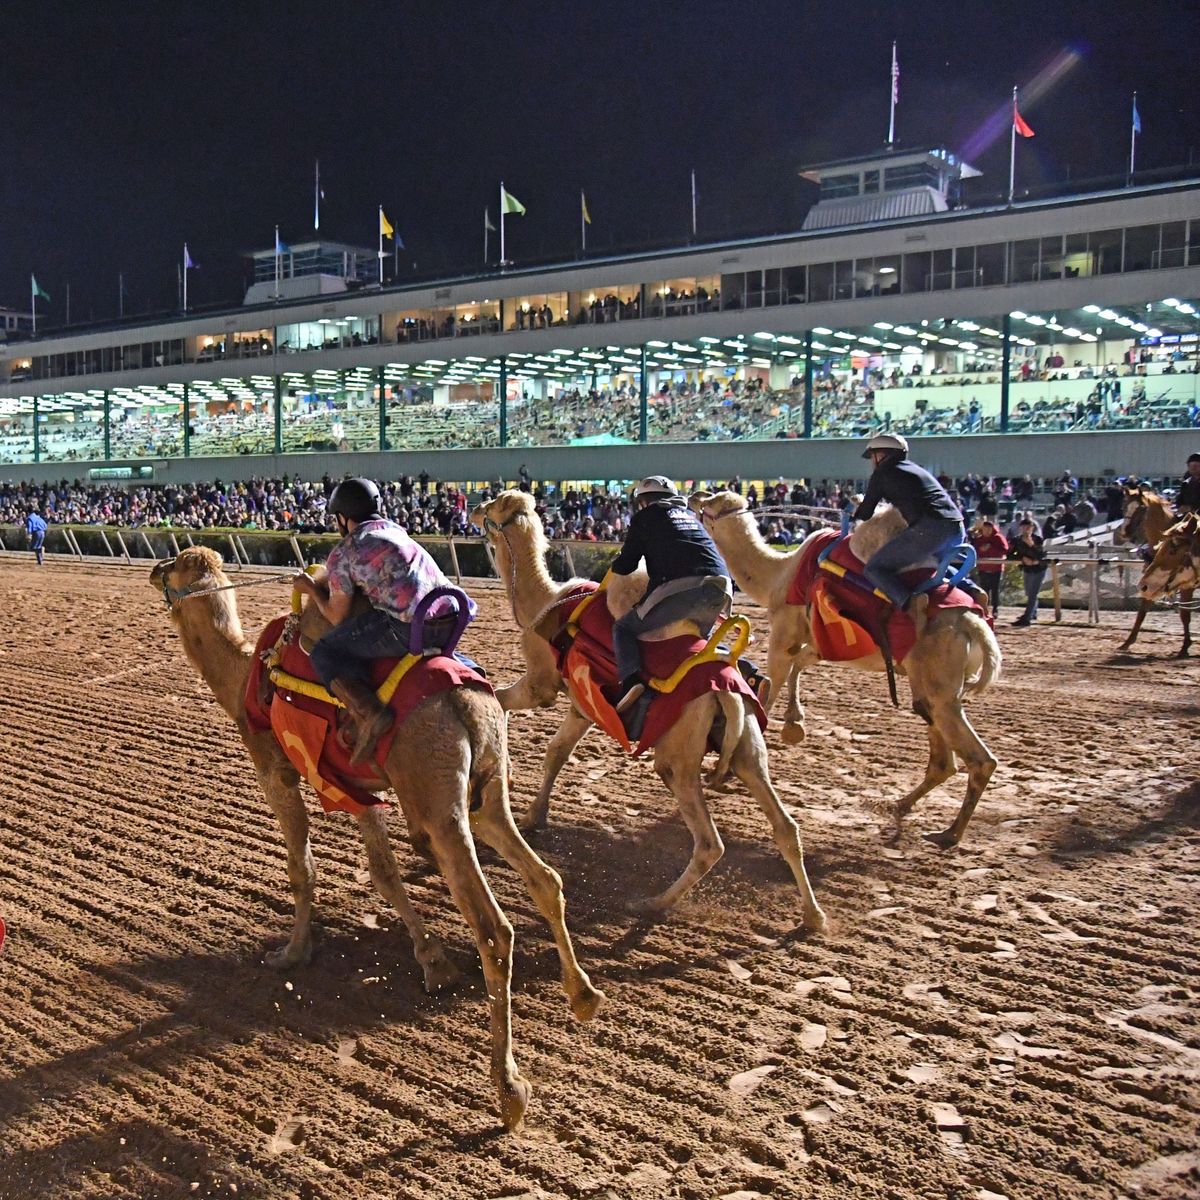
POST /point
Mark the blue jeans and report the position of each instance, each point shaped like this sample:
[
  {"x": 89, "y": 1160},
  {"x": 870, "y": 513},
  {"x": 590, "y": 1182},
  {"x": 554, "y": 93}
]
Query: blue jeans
[
  {"x": 1033, "y": 585},
  {"x": 37, "y": 539},
  {"x": 346, "y": 651},
  {"x": 703, "y": 604},
  {"x": 928, "y": 539}
]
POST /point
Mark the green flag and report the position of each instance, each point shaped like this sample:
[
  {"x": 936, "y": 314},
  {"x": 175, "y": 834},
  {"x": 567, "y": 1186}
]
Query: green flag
[
  {"x": 510, "y": 204},
  {"x": 37, "y": 290}
]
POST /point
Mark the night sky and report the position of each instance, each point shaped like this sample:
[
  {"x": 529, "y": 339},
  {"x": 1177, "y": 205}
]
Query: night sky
[{"x": 129, "y": 128}]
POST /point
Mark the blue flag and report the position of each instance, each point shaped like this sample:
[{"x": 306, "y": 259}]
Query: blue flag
[
  {"x": 281, "y": 247},
  {"x": 1137, "y": 120}
]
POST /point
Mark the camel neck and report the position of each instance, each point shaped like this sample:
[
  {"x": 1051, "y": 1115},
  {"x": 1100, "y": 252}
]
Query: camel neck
[
  {"x": 530, "y": 589},
  {"x": 758, "y": 568},
  {"x": 212, "y": 638}
]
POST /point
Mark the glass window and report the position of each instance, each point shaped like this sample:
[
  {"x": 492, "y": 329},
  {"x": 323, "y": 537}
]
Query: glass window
[
  {"x": 795, "y": 285},
  {"x": 843, "y": 280},
  {"x": 870, "y": 181},
  {"x": 232, "y": 416},
  {"x": 964, "y": 267},
  {"x": 943, "y": 270},
  {"x": 146, "y": 422},
  {"x": 754, "y": 289},
  {"x": 820, "y": 282},
  {"x": 1076, "y": 262},
  {"x": 772, "y": 286},
  {"x": 990, "y": 263},
  {"x": 1174, "y": 237},
  {"x": 910, "y": 175},
  {"x": 1141, "y": 247},
  {"x": 1052, "y": 257},
  {"x": 837, "y": 186},
  {"x": 1193, "y": 247},
  {"x": 916, "y": 271},
  {"x": 1104, "y": 248},
  {"x": 601, "y": 306},
  {"x": 1025, "y": 255}
]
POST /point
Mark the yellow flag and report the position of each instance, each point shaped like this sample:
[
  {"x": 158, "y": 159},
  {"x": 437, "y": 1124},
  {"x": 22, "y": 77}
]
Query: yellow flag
[
  {"x": 385, "y": 226},
  {"x": 587, "y": 217}
]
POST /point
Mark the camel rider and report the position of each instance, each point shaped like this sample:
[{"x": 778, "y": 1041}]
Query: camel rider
[
  {"x": 689, "y": 580},
  {"x": 935, "y": 524},
  {"x": 1188, "y": 498},
  {"x": 378, "y": 558}
]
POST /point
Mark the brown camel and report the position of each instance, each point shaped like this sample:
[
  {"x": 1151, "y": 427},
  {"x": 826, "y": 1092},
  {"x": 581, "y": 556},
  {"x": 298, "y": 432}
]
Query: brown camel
[
  {"x": 955, "y": 653},
  {"x": 515, "y": 534},
  {"x": 448, "y": 767},
  {"x": 1148, "y": 518}
]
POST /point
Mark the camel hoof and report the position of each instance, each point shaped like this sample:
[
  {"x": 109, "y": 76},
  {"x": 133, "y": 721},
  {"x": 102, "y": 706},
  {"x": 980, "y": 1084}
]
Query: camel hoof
[
  {"x": 945, "y": 839},
  {"x": 586, "y": 1004},
  {"x": 793, "y": 734},
  {"x": 651, "y": 907},
  {"x": 291, "y": 955},
  {"x": 533, "y": 821},
  {"x": 440, "y": 973},
  {"x": 514, "y": 1100},
  {"x": 815, "y": 921}
]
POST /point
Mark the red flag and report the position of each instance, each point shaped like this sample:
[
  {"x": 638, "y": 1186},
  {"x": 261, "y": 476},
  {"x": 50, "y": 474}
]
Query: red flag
[{"x": 1019, "y": 123}]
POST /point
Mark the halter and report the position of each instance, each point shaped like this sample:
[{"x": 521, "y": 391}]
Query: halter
[
  {"x": 494, "y": 527},
  {"x": 173, "y": 596}
]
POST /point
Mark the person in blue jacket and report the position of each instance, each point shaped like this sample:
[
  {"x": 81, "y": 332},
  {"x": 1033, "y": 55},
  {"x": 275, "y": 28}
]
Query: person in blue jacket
[
  {"x": 35, "y": 527},
  {"x": 688, "y": 577}
]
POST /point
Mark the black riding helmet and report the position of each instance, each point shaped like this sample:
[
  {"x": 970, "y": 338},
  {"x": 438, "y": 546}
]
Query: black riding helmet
[{"x": 356, "y": 500}]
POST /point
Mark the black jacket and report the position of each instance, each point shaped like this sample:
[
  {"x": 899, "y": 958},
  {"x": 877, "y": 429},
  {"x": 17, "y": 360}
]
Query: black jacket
[
  {"x": 1032, "y": 557},
  {"x": 1189, "y": 493},
  {"x": 669, "y": 536},
  {"x": 909, "y": 488}
]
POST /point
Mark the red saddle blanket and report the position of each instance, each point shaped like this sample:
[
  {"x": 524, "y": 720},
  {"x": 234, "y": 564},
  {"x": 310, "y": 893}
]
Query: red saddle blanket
[
  {"x": 587, "y": 664},
  {"x": 841, "y": 613},
  {"x": 307, "y": 728}
]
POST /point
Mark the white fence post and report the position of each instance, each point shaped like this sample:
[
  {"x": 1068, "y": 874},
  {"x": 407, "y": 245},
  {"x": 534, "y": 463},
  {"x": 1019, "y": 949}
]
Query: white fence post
[
  {"x": 454, "y": 560},
  {"x": 124, "y": 548},
  {"x": 174, "y": 543},
  {"x": 296, "y": 551}
]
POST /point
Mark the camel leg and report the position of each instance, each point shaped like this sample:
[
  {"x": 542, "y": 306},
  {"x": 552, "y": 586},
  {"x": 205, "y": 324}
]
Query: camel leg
[
  {"x": 562, "y": 745},
  {"x": 960, "y": 735},
  {"x": 493, "y": 822},
  {"x": 784, "y": 681},
  {"x": 1137, "y": 627},
  {"x": 750, "y": 766},
  {"x": 451, "y": 843},
  {"x": 940, "y": 768},
  {"x": 677, "y": 759},
  {"x": 539, "y": 686},
  {"x": 439, "y": 971},
  {"x": 280, "y": 783}
]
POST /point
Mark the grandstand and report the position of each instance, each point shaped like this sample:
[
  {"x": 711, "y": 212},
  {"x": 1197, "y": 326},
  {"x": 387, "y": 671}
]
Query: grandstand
[{"x": 1075, "y": 316}]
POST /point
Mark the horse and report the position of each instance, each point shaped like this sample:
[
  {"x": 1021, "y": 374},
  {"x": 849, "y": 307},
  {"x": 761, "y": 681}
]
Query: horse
[{"x": 1148, "y": 518}]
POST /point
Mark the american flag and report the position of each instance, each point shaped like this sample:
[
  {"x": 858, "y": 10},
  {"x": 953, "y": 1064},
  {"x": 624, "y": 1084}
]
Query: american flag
[{"x": 895, "y": 76}]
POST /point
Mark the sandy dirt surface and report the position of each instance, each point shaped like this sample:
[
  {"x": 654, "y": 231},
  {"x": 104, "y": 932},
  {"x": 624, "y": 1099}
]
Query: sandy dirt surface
[{"x": 1016, "y": 1018}]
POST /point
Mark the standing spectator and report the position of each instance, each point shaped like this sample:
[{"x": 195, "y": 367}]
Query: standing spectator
[
  {"x": 990, "y": 544},
  {"x": 1029, "y": 552},
  {"x": 35, "y": 527},
  {"x": 523, "y": 476}
]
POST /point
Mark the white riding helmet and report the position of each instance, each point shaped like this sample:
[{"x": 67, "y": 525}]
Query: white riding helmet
[
  {"x": 889, "y": 442},
  {"x": 655, "y": 485}
]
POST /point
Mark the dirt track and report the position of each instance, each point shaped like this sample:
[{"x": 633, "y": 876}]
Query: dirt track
[{"x": 1016, "y": 1018}]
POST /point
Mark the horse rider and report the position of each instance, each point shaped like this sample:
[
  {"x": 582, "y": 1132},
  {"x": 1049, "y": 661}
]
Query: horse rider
[
  {"x": 377, "y": 558},
  {"x": 935, "y": 524},
  {"x": 1188, "y": 498},
  {"x": 688, "y": 577}
]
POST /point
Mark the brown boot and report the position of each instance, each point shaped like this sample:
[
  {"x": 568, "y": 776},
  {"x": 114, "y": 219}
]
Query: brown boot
[{"x": 372, "y": 719}]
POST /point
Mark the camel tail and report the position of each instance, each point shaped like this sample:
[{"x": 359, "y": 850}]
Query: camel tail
[
  {"x": 734, "y": 712},
  {"x": 984, "y": 641}
]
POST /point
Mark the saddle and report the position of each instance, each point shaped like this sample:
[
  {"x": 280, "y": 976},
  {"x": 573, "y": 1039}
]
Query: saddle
[
  {"x": 850, "y": 617},
  {"x": 285, "y": 695},
  {"x": 681, "y": 668}
]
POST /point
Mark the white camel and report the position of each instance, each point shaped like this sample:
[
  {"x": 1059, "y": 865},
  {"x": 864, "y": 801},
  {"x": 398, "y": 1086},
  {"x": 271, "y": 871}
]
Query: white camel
[
  {"x": 448, "y": 767},
  {"x": 515, "y": 533},
  {"x": 955, "y": 654}
]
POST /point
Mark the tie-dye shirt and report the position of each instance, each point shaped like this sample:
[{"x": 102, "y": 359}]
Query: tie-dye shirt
[{"x": 393, "y": 571}]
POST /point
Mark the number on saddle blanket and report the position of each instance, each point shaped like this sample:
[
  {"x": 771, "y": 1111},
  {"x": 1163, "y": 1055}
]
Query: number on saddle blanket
[{"x": 462, "y": 614}]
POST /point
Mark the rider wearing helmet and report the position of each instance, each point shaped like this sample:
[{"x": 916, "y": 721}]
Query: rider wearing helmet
[
  {"x": 934, "y": 521},
  {"x": 688, "y": 577},
  {"x": 378, "y": 558}
]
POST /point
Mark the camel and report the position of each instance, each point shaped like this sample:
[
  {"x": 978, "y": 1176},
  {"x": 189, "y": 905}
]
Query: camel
[
  {"x": 448, "y": 767},
  {"x": 1148, "y": 518},
  {"x": 955, "y": 654},
  {"x": 519, "y": 545}
]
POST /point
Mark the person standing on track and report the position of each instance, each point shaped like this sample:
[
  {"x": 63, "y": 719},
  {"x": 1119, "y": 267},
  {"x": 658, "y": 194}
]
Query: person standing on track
[{"x": 35, "y": 528}]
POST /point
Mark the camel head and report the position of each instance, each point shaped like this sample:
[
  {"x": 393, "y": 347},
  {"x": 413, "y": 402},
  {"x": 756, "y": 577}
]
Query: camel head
[
  {"x": 698, "y": 499},
  {"x": 511, "y": 512},
  {"x": 713, "y": 507},
  {"x": 193, "y": 570},
  {"x": 1174, "y": 566}
]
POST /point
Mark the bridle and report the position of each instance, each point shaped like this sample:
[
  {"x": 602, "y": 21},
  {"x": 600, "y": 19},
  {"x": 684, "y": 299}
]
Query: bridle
[
  {"x": 173, "y": 596},
  {"x": 492, "y": 528}
]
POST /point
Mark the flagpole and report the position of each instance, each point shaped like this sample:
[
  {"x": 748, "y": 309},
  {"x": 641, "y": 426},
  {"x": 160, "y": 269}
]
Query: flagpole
[
  {"x": 120, "y": 295},
  {"x": 485, "y": 237},
  {"x": 317, "y": 196},
  {"x": 1132, "y": 137},
  {"x": 892, "y": 111},
  {"x": 693, "y": 202},
  {"x": 582, "y": 222},
  {"x": 502, "y": 224},
  {"x": 276, "y": 262},
  {"x": 381, "y": 245},
  {"x": 185, "y": 269},
  {"x": 1012, "y": 150},
  {"x": 33, "y": 304}
]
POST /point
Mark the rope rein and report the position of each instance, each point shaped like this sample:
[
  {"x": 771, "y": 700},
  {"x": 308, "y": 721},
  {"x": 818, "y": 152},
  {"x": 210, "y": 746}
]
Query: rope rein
[{"x": 174, "y": 595}]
